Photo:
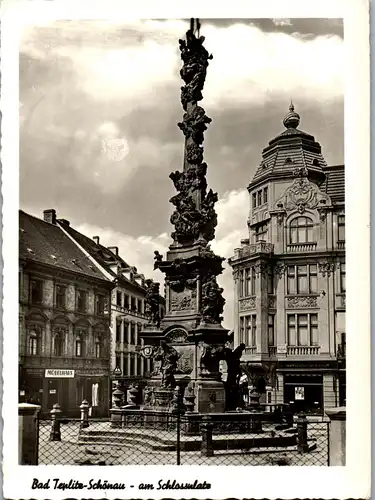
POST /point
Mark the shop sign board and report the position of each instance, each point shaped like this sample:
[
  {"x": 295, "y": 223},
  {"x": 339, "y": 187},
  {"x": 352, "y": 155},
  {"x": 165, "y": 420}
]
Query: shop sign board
[{"x": 55, "y": 373}]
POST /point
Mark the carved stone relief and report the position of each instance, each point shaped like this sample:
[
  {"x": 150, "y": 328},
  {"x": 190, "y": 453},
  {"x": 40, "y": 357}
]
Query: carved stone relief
[
  {"x": 302, "y": 195},
  {"x": 185, "y": 362},
  {"x": 326, "y": 268},
  {"x": 177, "y": 335},
  {"x": 301, "y": 302},
  {"x": 271, "y": 302},
  {"x": 182, "y": 301},
  {"x": 246, "y": 304}
]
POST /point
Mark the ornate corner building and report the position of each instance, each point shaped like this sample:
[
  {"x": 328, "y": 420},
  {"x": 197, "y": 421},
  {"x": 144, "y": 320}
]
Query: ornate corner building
[{"x": 290, "y": 275}]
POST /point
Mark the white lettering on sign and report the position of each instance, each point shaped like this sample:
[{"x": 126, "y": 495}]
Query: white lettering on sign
[{"x": 53, "y": 373}]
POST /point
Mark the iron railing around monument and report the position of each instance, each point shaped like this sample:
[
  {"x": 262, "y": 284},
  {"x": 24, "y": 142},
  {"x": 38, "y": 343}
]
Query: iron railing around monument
[{"x": 165, "y": 438}]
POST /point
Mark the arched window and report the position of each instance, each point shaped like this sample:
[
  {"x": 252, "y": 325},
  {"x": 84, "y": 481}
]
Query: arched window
[
  {"x": 301, "y": 230},
  {"x": 33, "y": 341},
  {"x": 59, "y": 341}
]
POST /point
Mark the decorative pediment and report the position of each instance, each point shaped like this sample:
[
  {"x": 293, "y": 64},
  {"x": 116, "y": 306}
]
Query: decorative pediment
[
  {"x": 177, "y": 335},
  {"x": 302, "y": 195}
]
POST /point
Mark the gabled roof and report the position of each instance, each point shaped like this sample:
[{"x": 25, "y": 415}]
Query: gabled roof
[
  {"x": 334, "y": 183},
  {"x": 100, "y": 253},
  {"x": 290, "y": 150},
  {"x": 45, "y": 243}
]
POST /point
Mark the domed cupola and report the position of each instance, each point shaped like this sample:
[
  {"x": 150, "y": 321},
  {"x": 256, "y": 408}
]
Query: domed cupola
[
  {"x": 292, "y": 118},
  {"x": 291, "y": 151}
]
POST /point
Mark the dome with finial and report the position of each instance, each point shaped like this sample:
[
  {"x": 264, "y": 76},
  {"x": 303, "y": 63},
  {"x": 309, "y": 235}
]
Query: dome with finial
[{"x": 291, "y": 119}]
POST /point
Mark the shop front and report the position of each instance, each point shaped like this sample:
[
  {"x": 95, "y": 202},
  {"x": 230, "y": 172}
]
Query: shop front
[
  {"x": 68, "y": 388},
  {"x": 304, "y": 392}
]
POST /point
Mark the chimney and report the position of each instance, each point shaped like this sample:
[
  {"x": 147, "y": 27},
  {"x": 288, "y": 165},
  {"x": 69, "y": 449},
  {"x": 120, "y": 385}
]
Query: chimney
[
  {"x": 64, "y": 221},
  {"x": 114, "y": 250},
  {"x": 49, "y": 216},
  {"x": 96, "y": 239}
]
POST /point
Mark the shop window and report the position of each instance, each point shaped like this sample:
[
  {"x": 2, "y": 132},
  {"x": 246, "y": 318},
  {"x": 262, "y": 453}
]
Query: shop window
[
  {"x": 341, "y": 227},
  {"x": 60, "y": 296},
  {"x": 301, "y": 230},
  {"x": 36, "y": 291},
  {"x": 342, "y": 277},
  {"x": 303, "y": 330},
  {"x": 302, "y": 279},
  {"x": 271, "y": 329},
  {"x": 81, "y": 301}
]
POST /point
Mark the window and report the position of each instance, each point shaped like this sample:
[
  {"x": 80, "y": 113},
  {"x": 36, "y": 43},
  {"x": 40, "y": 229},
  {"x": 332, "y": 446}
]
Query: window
[
  {"x": 139, "y": 329},
  {"x": 301, "y": 230},
  {"x": 134, "y": 304},
  {"x": 341, "y": 227},
  {"x": 253, "y": 282},
  {"x": 342, "y": 277},
  {"x": 247, "y": 282},
  {"x": 303, "y": 330},
  {"x": 118, "y": 331},
  {"x": 242, "y": 329},
  {"x": 33, "y": 342},
  {"x": 261, "y": 232},
  {"x": 118, "y": 362},
  {"x": 119, "y": 299},
  {"x": 271, "y": 329},
  {"x": 259, "y": 198},
  {"x": 265, "y": 195},
  {"x": 140, "y": 310},
  {"x": 36, "y": 291},
  {"x": 60, "y": 296},
  {"x": 132, "y": 360},
  {"x": 59, "y": 342},
  {"x": 270, "y": 284},
  {"x": 81, "y": 301},
  {"x": 241, "y": 283},
  {"x": 254, "y": 200},
  {"x": 99, "y": 304},
  {"x": 126, "y": 330},
  {"x": 250, "y": 322},
  {"x": 126, "y": 301},
  {"x": 99, "y": 349},
  {"x": 132, "y": 333},
  {"x": 79, "y": 346},
  {"x": 302, "y": 279}
]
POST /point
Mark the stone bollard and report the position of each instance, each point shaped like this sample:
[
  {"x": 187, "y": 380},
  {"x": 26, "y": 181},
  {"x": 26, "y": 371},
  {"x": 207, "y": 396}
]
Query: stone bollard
[
  {"x": 84, "y": 414},
  {"x": 207, "y": 448},
  {"x": 55, "y": 434},
  {"x": 302, "y": 445},
  {"x": 337, "y": 435},
  {"x": 28, "y": 434}
]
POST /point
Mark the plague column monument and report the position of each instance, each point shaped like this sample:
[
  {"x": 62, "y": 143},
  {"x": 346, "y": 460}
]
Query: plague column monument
[{"x": 189, "y": 342}]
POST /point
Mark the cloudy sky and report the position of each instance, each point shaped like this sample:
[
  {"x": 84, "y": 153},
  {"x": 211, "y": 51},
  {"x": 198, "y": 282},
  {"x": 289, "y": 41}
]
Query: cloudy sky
[{"x": 84, "y": 82}]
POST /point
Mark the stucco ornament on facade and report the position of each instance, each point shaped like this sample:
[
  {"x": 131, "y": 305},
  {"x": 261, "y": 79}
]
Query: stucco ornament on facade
[
  {"x": 177, "y": 335},
  {"x": 246, "y": 304},
  {"x": 297, "y": 302},
  {"x": 326, "y": 268},
  {"x": 302, "y": 195}
]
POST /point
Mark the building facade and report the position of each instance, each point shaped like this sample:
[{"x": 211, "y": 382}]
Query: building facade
[
  {"x": 64, "y": 335},
  {"x": 289, "y": 275},
  {"x": 127, "y": 308}
]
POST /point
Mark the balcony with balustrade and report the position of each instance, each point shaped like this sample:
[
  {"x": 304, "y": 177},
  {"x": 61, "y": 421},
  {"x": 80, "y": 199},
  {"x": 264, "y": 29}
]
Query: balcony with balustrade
[
  {"x": 302, "y": 350},
  {"x": 261, "y": 247}
]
